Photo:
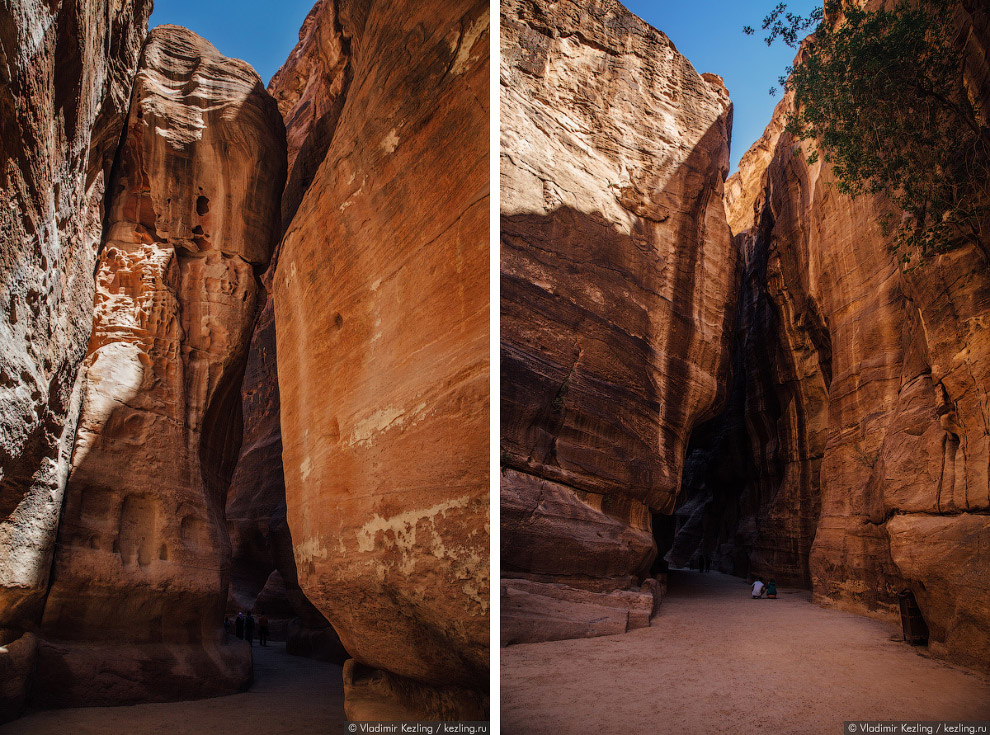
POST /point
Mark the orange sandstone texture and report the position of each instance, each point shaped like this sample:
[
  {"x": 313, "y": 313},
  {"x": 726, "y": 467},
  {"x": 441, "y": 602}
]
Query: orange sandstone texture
[
  {"x": 879, "y": 379},
  {"x": 141, "y": 575},
  {"x": 263, "y": 568},
  {"x": 381, "y": 314},
  {"x": 618, "y": 277},
  {"x": 65, "y": 78}
]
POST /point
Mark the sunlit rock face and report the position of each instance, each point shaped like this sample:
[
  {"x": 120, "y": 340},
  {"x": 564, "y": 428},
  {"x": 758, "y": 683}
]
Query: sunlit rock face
[
  {"x": 65, "y": 79},
  {"x": 864, "y": 398},
  {"x": 618, "y": 276},
  {"x": 381, "y": 312},
  {"x": 140, "y": 581}
]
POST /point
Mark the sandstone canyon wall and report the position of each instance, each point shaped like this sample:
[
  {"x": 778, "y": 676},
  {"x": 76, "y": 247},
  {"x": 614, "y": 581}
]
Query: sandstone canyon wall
[
  {"x": 141, "y": 574},
  {"x": 310, "y": 91},
  {"x": 263, "y": 569},
  {"x": 381, "y": 312},
  {"x": 381, "y": 306},
  {"x": 751, "y": 495},
  {"x": 862, "y": 399},
  {"x": 65, "y": 79},
  {"x": 618, "y": 278}
]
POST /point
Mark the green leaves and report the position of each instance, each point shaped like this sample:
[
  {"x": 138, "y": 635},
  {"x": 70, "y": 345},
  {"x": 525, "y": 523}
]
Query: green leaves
[
  {"x": 789, "y": 27},
  {"x": 880, "y": 95}
]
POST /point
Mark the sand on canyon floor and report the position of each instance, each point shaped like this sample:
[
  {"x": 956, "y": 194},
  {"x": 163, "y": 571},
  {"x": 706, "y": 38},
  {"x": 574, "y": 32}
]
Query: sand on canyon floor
[
  {"x": 715, "y": 660},
  {"x": 291, "y": 695}
]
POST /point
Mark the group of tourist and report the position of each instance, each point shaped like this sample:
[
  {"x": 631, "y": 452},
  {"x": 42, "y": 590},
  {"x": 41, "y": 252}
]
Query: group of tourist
[
  {"x": 760, "y": 589},
  {"x": 244, "y": 626},
  {"x": 764, "y": 590}
]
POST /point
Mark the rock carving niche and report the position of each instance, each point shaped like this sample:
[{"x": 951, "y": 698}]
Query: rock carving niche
[
  {"x": 95, "y": 504},
  {"x": 137, "y": 530},
  {"x": 194, "y": 532}
]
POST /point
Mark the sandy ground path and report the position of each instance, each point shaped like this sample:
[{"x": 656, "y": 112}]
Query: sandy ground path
[
  {"x": 717, "y": 661},
  {"x": 290, "y": 696}
]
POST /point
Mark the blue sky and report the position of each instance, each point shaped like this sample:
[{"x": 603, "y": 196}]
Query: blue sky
[
  {"x": 709, "y": 33},
  {"x": 262, "y": 32}
]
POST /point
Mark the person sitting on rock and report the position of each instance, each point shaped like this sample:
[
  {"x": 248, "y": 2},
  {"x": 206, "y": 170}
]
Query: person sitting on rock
[
  {"x": 758, "y": 589},
  {"x": 772, "y": 590}
]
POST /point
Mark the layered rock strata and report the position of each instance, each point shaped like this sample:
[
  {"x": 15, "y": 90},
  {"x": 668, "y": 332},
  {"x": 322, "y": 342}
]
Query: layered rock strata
[
  {"x": 865, "y": 397},
  {"x": 141, "y": 575},
  {"x": 381, "y": 312},
  {"x": 618, "y": 277},
  {"x": 65, "y": 78}
]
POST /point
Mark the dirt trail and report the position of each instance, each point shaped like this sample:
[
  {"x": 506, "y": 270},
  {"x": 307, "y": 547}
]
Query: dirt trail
[
  {"x": 715, "y": 661},
  {"x": 290, "y": 696}
]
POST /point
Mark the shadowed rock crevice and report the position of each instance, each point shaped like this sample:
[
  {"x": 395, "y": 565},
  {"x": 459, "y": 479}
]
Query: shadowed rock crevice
[
  {"x": 751, "y": 499},
  {"x": 310, "y": 89}
]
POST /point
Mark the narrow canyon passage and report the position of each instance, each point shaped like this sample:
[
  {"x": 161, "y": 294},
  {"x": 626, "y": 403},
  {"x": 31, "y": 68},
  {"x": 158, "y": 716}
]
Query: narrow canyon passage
[
  {"x": 290, "y": 695},
  {"x": 714, "y": 656}
]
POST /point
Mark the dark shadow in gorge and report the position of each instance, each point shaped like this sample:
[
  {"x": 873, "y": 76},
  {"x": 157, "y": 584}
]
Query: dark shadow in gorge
[{"x": 751, "y": 492}]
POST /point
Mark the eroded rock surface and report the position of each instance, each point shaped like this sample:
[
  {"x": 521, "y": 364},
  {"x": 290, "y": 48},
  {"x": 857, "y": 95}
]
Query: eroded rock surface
[
  {"x": 618, "y": 277},
  {"x": 141, "y": 576},
  {"x": 381, "y": 312},
  {"x": 65, "y": 79},
  {"x": 864, "y": 396}
]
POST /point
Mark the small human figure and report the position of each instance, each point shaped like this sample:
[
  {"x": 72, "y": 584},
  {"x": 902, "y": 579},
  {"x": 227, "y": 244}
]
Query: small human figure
[
  {"x": 705, "y": 563},
  {"x": 239, "y": 626},
  {"x": 263, "y": 630},
  {"x": 249, "y": 628},
  {"x": 772, "y": 590},
  {"x": 758, "y": 589},
  {"x": 226, "y": 625}
]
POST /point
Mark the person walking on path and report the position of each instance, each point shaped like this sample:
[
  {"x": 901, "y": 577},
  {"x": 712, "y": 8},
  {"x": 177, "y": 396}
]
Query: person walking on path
[
  {"x": 263, "y": 630},
  {"x": 239, "y": 626},
  {"x": 249, "y": 628},
  {"x": 758, "y": 589}
]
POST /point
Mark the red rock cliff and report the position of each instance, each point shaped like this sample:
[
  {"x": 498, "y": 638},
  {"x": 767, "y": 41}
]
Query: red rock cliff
[
  {"x": 618, "y": 275},
  {"x": 142, "y": 570},
  {"x": 65, "y": 79},
  {"x": 381, "y": 314},
  {"x": 866, "y": 396}
]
